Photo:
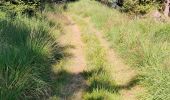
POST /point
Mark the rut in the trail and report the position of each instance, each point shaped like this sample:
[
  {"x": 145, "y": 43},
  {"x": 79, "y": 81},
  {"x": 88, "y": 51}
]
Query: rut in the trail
[
  {"x": 76, "y": 66},
  {"x": 124, "y": 76},
  {"x": 122, "y": 73}
]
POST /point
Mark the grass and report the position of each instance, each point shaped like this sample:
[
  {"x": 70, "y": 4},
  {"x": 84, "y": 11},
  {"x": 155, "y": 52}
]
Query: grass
[
  {"x": 28, "y": 49},
  {"x": 101, "y": 85},
  {"x": 143, "y": 43}
]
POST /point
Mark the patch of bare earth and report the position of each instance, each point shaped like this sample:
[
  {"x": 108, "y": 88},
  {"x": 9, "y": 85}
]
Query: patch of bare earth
[
  {"x": 125, "y": 77},
  {"x": 77, "y": 64}
]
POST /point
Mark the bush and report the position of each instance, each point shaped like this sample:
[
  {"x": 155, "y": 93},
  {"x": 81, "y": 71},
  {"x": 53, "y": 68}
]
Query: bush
[
  {"x": 19, "y": 7},
  {"x": 137, "y": 6}
]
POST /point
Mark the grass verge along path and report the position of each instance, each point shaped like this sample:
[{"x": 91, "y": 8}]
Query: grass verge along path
[{"x": 125, "y": 77}]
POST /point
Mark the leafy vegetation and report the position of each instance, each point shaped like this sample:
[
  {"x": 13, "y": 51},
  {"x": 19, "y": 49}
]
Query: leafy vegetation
[
  {"x": 141, "y": 6},
  {"x": 137, "y": 7}
]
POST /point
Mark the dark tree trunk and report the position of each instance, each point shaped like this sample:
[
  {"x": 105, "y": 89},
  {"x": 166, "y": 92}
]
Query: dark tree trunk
[{"x": 119, "y": 2}]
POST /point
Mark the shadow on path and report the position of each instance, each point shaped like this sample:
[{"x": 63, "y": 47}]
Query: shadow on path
[{"x": 110, "y": 86}]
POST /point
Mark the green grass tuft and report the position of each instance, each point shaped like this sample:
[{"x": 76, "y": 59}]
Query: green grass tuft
[{"x": 27, "y": 51}]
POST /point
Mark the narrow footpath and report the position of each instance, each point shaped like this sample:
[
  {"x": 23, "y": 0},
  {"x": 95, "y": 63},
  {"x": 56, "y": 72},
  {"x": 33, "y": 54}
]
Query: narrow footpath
[{"x": 77, "y": 63}]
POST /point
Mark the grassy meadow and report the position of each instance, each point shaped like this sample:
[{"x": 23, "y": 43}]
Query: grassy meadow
[{"x": 142, "y": 42}]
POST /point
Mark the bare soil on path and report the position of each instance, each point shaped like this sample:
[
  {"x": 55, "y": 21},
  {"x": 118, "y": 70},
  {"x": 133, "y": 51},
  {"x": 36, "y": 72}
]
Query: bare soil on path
[{"x": 77, "y": 64}]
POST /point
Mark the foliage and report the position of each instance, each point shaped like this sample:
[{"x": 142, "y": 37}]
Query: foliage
[
  {"x": 30, "y": 7},
  {"x": 135, "y": 6},
  {"x": 139, "y": 6},
  {"x": 19, "y": 7}
]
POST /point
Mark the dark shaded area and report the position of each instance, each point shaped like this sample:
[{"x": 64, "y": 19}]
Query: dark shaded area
[
  {"x": 132, "y": 83},
  {"x": 112, "y": 4},
  {"x": 108, "y": 85},
  {"x": 65, "y": 84},
  {"x": 24, "y": 62}
]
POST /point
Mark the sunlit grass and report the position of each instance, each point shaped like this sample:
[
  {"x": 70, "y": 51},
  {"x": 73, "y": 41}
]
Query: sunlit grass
[
  {"x": 98, "y": 74},
  {"x": 143, "y": 43}
]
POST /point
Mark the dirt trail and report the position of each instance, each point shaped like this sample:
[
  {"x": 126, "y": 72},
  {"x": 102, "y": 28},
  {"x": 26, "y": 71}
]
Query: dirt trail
[
  {"x": 125, "y": 76},
  {"x": 77, "y": 64},
  {"x": 73, "y": 38}
]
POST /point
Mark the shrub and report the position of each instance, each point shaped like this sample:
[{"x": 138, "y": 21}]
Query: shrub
[
  {"x": 19, "y": 7},
  {"x": 137, "y": 6}
]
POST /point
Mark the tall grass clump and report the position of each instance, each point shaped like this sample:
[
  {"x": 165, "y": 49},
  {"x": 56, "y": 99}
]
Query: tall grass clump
[
  {"x": 143, "y": 43},
  {"x": 27, "y": 51}
]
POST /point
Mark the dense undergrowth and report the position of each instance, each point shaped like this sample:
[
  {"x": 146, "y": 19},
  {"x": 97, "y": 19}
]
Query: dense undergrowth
[
  {"x": 143, "y": 43},
  {"x": 28, "y": 49}
]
